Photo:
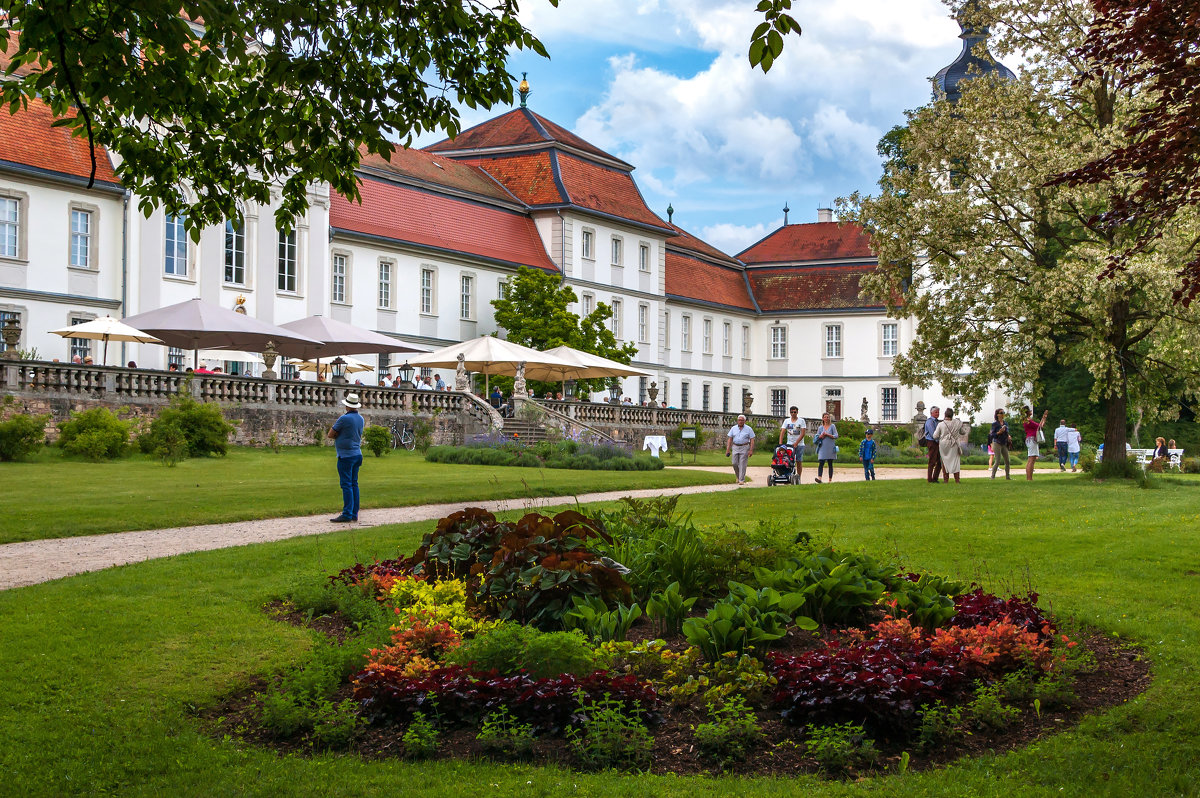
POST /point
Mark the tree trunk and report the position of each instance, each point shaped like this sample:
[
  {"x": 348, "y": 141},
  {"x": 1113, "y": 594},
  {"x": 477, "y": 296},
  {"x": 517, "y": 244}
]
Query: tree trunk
[{"x": 1116, "y": 419}]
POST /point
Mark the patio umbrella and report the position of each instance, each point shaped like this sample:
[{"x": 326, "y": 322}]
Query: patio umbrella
[
  {"x": 488, "y": 355},
  {"x": 340, "y": 338},
  {"x": 352, "y": 366},
  {"x": 196, "y": 324},
  {"x": 106, "y": 329},
  {"x": 585, "y": 366}
]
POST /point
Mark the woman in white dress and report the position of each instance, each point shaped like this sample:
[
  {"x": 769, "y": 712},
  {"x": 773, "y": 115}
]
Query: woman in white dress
[{"x": 949, "y": 435}]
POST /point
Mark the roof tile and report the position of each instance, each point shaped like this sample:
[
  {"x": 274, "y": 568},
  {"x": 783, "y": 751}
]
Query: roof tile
[
  {"x": 410, "y": 215},
  {"x": 435, "y": 169},
  {"x": 807, "y": 242},
  {"x": 810, "y": 288},
  {"x": 518, "y": 126},
  {"x": 530, "y": 177},
  {"x": 698, "y": 279},
  {"x": 609, "y": 191},
  {"x": 27, "y": 138}
]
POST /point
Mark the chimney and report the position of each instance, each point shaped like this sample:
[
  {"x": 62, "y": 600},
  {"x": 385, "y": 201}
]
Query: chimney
[{"x": 824, "y": 214}]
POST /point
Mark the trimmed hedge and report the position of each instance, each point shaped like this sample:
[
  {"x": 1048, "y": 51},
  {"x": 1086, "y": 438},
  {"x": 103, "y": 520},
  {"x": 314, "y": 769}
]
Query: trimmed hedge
[{"x": 582, "y": 461}]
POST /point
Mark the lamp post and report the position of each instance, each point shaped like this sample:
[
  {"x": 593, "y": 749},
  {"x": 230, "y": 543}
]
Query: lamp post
[
  {"x": 406, "y": 375},
  {"x": 614, "y": 390},
  {"x": 338, "y": 367}
]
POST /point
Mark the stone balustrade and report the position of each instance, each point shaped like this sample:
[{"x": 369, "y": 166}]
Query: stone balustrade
[{"x": 614, "y": 418}]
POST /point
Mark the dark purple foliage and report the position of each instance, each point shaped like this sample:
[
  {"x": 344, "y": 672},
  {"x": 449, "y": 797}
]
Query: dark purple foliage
[
  {"x": 979, "y": 609},
  {"x": 459, "y": 696},
  {"x": 358, "y": 572}
]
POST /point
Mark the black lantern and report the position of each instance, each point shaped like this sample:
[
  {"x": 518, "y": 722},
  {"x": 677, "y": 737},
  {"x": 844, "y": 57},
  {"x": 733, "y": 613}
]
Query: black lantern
[
  {"x": 614, "y": 390},
  {"x": 338, "y": 367},
  {"x": 406, "y": 375}
]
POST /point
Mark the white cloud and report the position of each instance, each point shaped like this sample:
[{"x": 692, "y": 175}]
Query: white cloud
[{"x": 733, "y": 238}]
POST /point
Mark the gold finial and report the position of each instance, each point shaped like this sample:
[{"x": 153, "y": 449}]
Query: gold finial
[
  {"x": 239, "y": 304},
  {"x": 523, "y": 89}
]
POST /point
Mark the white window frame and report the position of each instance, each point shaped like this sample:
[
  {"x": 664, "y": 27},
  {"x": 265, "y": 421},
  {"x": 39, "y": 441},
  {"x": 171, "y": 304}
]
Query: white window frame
[
  {"x": 427, "y": 291},
  {"x": 883, "y": 403},
  {"x": 779, "y": 402},
  {"x": 667, "y": 330},
  {"x": 685, "y": 390},
  {"x": 706, "y": 336},
  {"x": 833, "y": 342},
  {"x": 685, "y": 332},
  {"x": 643, "y": 257},
  {"x": 745, "y": 341},
  {"x": 175, "y": 263},
  {"x": 587, "y": 304},
  {"x": 234, "y": 233},
  {"x": 889, "y": 347},
  {"x": 339, "y": 278},
  {"x": 79, "y": 346},
  {"x": 587, "y": 244},
  {"x": 706, "y": 396},
  {"x": 466, "y": 297},
  {"x": 726, "y": 339},
  {"x": 386, "y": 271},
  {"x": 618, "y": 251},
  {"x": 779, "y": 342},
  {"x": 616, "y": 322},
  {"x": 643, "y": 323},
  {"x": 12, "y": 226},
  {"x": 91, "y": 255},
  {"x": 287, "y": 262}
]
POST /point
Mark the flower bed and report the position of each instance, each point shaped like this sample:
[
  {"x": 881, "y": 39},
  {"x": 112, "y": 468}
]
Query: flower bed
[
  {"x": 499, "y": 450},
  {"x": 532, "y": 639}
]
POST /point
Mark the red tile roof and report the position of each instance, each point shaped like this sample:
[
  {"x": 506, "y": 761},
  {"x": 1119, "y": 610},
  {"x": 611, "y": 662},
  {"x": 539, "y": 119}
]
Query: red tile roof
[
  {"x": 694, "y": 278},
  {"x": 530, "y": 177},
  {"x": 430, "y": 168},
  {"x": 685, "y": 240},
  {"x": 424, "y": 218},
  {"x": 519, "y": 126},
  {"x": 8, "y": 48},
  {"x": 609, "y": 191},
  {"x": 804, "y": 242},
  {"x": 27, "y": 138},
  {"x": 810, "y": 288}
]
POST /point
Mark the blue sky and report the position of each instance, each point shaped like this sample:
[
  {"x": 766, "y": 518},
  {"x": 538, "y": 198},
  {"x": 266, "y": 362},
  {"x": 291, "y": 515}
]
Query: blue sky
[{"x": 665, "y": 85}]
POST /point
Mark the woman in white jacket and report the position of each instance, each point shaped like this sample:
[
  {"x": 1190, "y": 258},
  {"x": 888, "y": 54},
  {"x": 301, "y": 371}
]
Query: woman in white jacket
[{"x": 949, "y": 436}]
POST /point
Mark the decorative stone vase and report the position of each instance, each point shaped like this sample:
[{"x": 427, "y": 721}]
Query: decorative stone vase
[
  {"x": 652, "y": 391},
  {"x": 269, "y": 355},
  {"x": 747, "y": 402},
  {"x": 12, "y": 337}
]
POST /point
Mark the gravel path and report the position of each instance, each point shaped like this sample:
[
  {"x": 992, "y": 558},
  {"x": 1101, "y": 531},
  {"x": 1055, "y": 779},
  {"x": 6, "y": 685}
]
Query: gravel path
[{"x": 35, "y": 561}]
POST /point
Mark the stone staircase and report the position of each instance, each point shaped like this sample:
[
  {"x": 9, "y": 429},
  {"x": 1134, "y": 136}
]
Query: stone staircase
[{"x": 525, "y": 431}]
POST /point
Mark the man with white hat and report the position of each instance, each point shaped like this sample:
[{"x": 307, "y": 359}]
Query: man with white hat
[{"x": 346, "y": 434}]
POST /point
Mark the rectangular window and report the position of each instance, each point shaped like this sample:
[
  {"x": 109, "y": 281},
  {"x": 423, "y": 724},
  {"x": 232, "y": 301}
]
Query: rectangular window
[
  {"x": 617, "y": 325},
  {"x": 427, "y": 291},
  {"x": 235, "y": 252},
  {"x": 587, "y": 246},
  {"x": 175, "y": 357},
  {"x": 745, "y": 340},
  {"x": 385, "y": 361},
  {"x": 706, "y": 336},
  {"x": 726, "y": 339},
  {"x": 644, "y": 258},
  {"x": 779, "y": 343},
  {"x": 685, "y": 333},
  {"x": 175, "y": 247},
  {"x": 337, "y": 274},
  {"x": 10, "y": 225},
  {"x": 81, "y": 239},
  {"x": 685, "y": 389},
  {"x": 891, "y": 340},
  {"x": 80, "y": 347},
  {"x": 465, "y": 299},
  {"x": 642, "y": 383},
  {"x": 502, "y": 288},
  {"x": 286, "y": 262},
  {"x": 779, "y": 401},
  {"x": 705, "y": 391},
  {"x": 833, "y": 340},
  {"x": 588, "y": 305},
  {"x": 617, "y": 252},
  {"x": 644, "y": 323},
  {"x": 385, "y": 284},
  {"x": 891, "y": 404},
  {"x": 724, "y": 398},
  {"x": 667, "y": 329}
]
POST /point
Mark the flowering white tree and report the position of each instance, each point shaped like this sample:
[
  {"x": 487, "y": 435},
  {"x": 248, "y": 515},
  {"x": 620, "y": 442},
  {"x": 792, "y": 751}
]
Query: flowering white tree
[{"x": 1001, "y": 269}]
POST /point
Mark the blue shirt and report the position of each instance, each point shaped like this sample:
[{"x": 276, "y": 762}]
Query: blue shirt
[
  {"x": 741, "y": 437},
  {"x": 866, "y": 450},
  {"x": 349, "y": 429},
  {"x": 930, "y": 425}
]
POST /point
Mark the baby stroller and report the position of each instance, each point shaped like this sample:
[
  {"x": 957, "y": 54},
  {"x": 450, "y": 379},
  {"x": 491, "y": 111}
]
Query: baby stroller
[{"x": 783, "y": 467}]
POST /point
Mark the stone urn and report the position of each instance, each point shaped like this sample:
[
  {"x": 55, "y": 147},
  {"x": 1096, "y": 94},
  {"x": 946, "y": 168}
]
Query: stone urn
[
  {"x": 269, "y": 355},
  {"x": 12, "y": 336},
  {"x": 747, "y": 402},
  {"x": 652, "y": 392}
]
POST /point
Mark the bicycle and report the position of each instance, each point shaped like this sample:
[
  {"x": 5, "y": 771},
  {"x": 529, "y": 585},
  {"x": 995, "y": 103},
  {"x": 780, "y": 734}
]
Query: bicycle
[{"x": 402, "y": 435}]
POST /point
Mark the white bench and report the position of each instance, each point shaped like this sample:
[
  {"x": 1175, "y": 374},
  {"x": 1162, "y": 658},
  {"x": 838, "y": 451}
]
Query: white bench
[{"x": 1144, "y": 457}]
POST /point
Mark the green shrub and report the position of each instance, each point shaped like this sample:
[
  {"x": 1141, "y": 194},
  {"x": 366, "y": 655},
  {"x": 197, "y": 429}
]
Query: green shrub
[
  {"x": 592, "y": 617},
  {"x": 202, "y": 424},
  {"x": 1190, "y": 465},
  {"x": 420, "y": 740},
  {"x": 609, "y": 738},
  {"x": 901, "y": 437},
  {"x": 841, "y": 747},
  {"x": 513, "y": 647},
  {"x": 170, "y": 443},
  {"x": 335, "y": 725},
  {"x": 702, "y": 436},
  {"x": 850, "y": 431},
  {"x": 988, "y": 709},
  {"x": 377, "y": 440},
  {"x": 423, "y": 433},
  {"x": 554, "y": 653},
  {"x": 300, "y": 703},
  {"x": 1127, "y": 468},
  {"x": 96, "y": 434},
  {"x": 669, "y": 608},
  {"x": 527, "y": 460},
  {"x": 731, "y": 733},
  {"x": 503, "y": 735},
  {"x": 940, "y": 724},
  {"x": 21, "y": 436}
]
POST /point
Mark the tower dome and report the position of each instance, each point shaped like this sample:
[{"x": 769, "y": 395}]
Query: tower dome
[{"x": 948, "y": 81}]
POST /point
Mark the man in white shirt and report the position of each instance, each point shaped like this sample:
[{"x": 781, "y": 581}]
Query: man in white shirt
[
  {"x": 794, "y": 429},
  {"x": 423, "y": 384},
  {"x": 1074, "y": 439},
  {"x": 738, "y": 445},
  {"x": 386, "y": 382},
  {"x": 1062, "y": 436}
]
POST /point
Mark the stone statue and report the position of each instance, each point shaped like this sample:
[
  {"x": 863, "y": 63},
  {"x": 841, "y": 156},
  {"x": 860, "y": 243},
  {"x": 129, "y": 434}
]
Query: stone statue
[
  {"x": 519, "y": 382},
  {"x": 920, "y": 416},
  {"x": 461, "y": 381},
  {"x": 863, "y": 417}
]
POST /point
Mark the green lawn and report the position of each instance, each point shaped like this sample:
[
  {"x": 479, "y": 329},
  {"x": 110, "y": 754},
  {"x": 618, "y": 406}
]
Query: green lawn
[
  {"x": 52, "y": 496},
  {"x": 99, "y": 673}
]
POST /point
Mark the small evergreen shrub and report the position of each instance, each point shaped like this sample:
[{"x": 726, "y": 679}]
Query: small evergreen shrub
[
  {"x": 21, "y": 436},
  {"x": 732, "y": 732},
  {"x": 841, "y": 747},
  {"x": 377, "y": 440},
  {"x": 610, "y": 737},
  {"x": 504, "y": 735},
  {"x": 97, "y": 434},
  {"x": 203, "y": 425},
  {"x": 421, "y": 738}
]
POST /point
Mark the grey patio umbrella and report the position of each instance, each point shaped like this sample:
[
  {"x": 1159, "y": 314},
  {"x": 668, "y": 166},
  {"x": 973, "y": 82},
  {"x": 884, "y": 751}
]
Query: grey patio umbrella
[
  {"x": 339, "y": 338},
  {"x": 196, "y": 324}
]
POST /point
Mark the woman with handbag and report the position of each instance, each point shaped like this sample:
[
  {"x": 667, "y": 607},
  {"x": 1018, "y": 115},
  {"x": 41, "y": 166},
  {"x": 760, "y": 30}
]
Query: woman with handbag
[
  {"x": 1001, "y": 442},
  {"x": 949, "y": 438},
  {"x": 1033, "y": 436}
]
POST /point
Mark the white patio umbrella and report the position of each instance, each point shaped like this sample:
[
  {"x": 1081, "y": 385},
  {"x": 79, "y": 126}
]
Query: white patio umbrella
[
  {"x": 339, "y": 338},
  {"x": 489, "y": 355},
  {"x": 106, "y": 329},
  {"x": 196, "y": 324},
  {"x": 353, "y": 366},
  {"x": 590, "y": 366}
]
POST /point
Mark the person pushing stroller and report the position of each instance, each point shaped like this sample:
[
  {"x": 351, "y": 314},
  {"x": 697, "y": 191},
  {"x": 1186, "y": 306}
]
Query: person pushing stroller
[{"x": 794, "y": 429}]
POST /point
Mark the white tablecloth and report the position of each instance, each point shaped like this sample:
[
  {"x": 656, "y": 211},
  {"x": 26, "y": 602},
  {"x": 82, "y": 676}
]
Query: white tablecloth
[{"x": 655, "y": 443}]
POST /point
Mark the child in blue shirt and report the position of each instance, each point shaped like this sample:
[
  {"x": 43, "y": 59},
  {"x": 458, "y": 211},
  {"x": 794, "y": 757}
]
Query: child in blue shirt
[{"x": 866, "y": 455}]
